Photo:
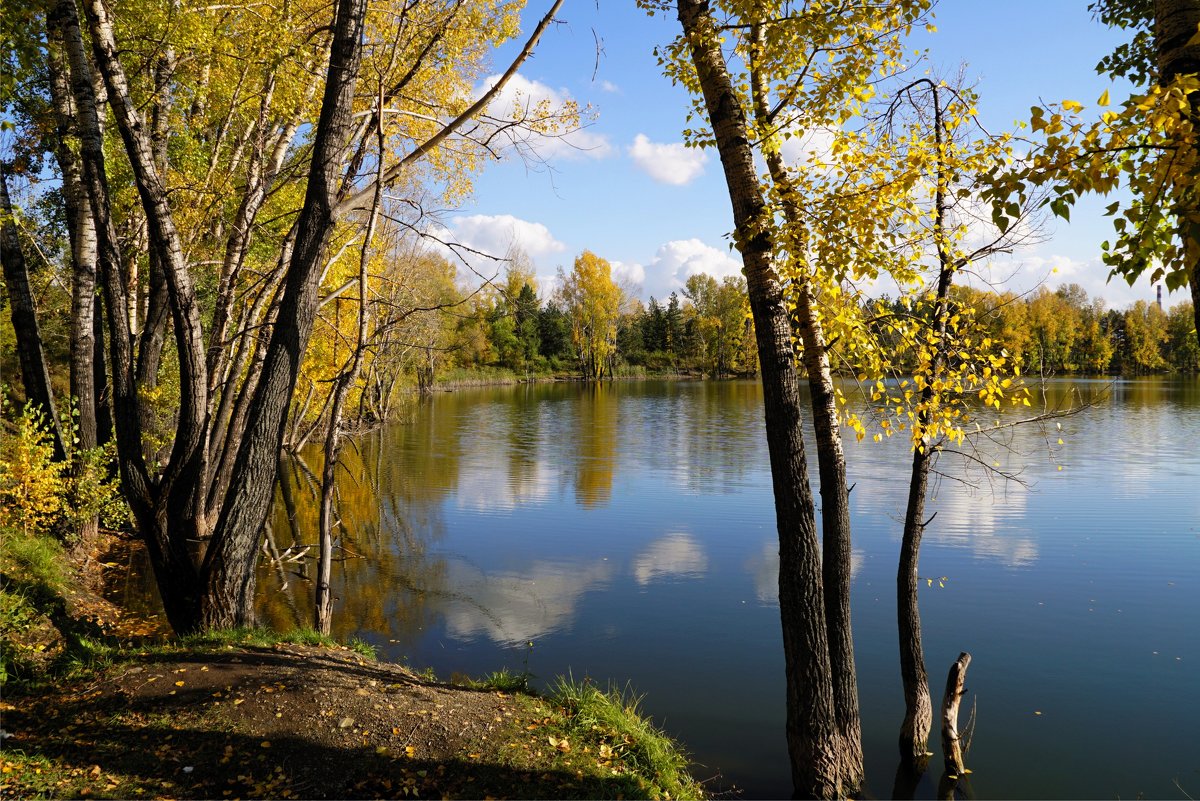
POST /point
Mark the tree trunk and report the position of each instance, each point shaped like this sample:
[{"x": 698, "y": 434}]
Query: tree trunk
[
  {"x": 323, "y": 617},
  {"x": 184, "y": 475},
  {"x": 918, "y": 709},
  {"x": 914, "y": 730},
  {"x": 229, "y": 563},
  {"x": 831, "y": 465},
  {"x": 81, "y": 230},
  {"x": 164, "y": 533},
  {"x": 34, "y": 375},
  {"x": 814, "y": 746}
]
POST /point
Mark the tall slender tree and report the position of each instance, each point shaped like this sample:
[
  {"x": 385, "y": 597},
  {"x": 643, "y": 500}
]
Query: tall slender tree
[
  {"x": 818, "y": 754},
  {"x": 34, "y": 375}
]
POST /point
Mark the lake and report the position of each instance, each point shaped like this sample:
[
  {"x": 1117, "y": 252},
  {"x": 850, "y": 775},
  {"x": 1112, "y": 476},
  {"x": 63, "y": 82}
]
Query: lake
[{"x": 625, "y": 532}]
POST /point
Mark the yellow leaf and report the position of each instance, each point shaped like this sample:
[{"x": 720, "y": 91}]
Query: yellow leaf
[
  {"x": 265, "y": 744},
  {"x": 179, "y": 684},
  {"x": 1071, "y": 105},
  {"x": 1103, "y": 101}
]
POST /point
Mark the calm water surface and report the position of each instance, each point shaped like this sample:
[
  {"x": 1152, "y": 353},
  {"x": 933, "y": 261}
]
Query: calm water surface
[{"x": 627, "y": 532}]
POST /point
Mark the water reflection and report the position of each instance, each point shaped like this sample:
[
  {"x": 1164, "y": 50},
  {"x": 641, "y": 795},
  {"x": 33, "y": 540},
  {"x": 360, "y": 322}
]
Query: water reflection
[
  {"x": 676, "y": 555},
  {"x": 763, "y": 567},
  {"x": 511, "y": 608},
  {"x": 628, "y": 528},
  {"x": 989, "y": 521},
  {"x": 598, "y": 434},
  {"x": 714, "y": 430}
]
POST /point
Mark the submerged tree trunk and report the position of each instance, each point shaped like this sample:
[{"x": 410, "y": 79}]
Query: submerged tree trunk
[
  {"x": 34, "y": 375},
  {"x": 815, "y": 748},
  {"x": 951, "y": 743}
]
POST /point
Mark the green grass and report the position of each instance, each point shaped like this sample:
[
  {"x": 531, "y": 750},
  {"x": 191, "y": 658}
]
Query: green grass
[
  {"x": 502, "y": 680},
  {"x": 613, "y": 716},
  {"x": 33, "y": 558},
  {"x": 254, "y": 637},
  {"x": 32, "y": 577}
]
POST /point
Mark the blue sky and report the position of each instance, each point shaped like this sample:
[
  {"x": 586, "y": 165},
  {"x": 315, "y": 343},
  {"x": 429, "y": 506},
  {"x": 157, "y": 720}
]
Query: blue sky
[{"x": 632, "y": 195}]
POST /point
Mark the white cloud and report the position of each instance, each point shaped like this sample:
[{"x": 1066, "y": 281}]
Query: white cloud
[
  {"x": 491, "y": 235},
  {"x": 1025, "y": 270},
  {"x": 800, "y": 149},
  {"x": 667, "y": 163},
  {"x": 680, "y": 258},
  {"x": 628, "y": 274},
  {"x": 610, "y": 87},
  {"x": 494, "y": 233},
  {"x": 522, "y": 96}
]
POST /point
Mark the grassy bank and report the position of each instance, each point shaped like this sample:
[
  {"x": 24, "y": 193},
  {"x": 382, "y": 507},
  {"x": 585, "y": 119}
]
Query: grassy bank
[{"x": 96, "y": 705}]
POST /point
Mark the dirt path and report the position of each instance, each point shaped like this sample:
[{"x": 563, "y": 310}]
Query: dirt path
[{"x": 293, "y": 721}]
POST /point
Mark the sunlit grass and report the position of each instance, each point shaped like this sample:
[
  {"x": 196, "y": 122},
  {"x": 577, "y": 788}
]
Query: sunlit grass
[{"x": 612, "y": 721}]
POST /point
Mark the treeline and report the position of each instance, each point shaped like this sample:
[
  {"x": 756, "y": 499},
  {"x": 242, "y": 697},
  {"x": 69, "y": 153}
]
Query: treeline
[
  {"x": 589, "y": 326},
  {"x": 1065, "y": 331}
]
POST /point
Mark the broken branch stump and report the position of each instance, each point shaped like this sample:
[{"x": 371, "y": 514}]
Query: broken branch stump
[{"x": 951, "y": 748}]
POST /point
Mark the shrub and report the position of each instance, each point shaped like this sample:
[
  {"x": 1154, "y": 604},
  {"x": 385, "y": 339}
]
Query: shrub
[
  {"x": 38, "y": 494},
  {"x": 32, "y": 484}
]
